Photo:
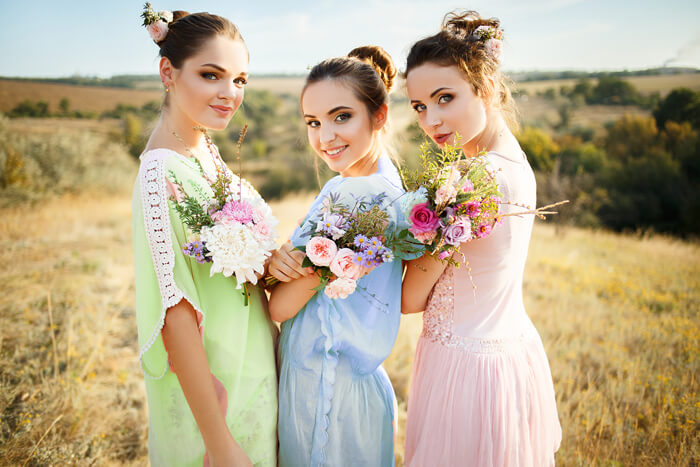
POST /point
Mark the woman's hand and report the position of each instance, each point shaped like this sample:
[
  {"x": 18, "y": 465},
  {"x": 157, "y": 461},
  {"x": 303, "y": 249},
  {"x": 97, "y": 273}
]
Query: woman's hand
[{"x": 285, "y": 263}]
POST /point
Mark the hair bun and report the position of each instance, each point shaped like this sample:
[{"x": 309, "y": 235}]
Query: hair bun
[
  {"x": 462, "y": 25},
  {"x": 380, "y": 60},
  {"x": 177, "y": 14}
]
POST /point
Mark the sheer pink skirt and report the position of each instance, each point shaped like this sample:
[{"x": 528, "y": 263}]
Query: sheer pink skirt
[{"x": 488, "y": 405}]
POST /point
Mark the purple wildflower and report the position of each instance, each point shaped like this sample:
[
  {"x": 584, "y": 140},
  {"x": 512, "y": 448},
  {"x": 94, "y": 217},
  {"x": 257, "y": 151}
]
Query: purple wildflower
[{"x": 361, "y": 241}]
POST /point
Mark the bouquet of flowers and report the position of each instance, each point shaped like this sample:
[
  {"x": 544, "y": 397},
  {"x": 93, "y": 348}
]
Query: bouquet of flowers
[
  {"x": 232, "y": 230},
  {"x": 348, "y": 242},
  {"x": 452, "y": 199}
]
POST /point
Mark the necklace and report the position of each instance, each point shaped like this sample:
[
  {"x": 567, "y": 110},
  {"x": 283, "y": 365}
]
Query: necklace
[{"x": 215, "y": 158}]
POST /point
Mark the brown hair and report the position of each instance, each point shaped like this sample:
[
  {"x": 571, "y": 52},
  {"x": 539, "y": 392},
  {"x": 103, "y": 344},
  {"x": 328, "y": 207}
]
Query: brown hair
[
  {"x": 188, "y": 32},
  {"x": 369, "y": 71},
  {"x": 457, "y": 45}
]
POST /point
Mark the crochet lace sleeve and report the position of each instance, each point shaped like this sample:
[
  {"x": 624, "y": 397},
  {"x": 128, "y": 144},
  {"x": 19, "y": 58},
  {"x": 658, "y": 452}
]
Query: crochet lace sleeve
[{"x": 154, "y": 199}]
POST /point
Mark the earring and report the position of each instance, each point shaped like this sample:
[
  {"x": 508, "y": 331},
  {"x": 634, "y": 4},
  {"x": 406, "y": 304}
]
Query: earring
[{"x": 167, "y": 89}]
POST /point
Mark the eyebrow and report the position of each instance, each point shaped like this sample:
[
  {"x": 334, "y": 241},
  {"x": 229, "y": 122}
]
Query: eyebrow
[
  {"x": 437, "y": 91},
  {"x": 415, "y": 101},
  {"x": 340, "y": 107},
  {"x": 213, "y": 65},
  {"x": 330, "y": 112}
]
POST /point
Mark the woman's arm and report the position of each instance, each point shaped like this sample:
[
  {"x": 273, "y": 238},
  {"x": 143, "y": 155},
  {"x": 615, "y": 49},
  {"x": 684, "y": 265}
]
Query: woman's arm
[
  {"x": 287, "y": 298},
  {"x": 189, "y": 360},
  {"x": 421, "y": 275}
]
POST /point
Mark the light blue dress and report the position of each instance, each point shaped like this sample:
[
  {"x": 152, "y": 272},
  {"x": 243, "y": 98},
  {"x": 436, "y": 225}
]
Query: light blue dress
[{"x": 336, "y": 403}]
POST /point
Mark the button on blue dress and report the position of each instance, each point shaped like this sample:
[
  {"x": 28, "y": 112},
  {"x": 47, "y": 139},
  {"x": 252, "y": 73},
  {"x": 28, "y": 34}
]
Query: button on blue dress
[{"x": 336, "y": 403}]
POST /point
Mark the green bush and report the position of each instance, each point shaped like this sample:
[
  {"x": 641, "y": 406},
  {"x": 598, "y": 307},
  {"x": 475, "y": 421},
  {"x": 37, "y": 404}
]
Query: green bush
[{"x": 36, "y": 166}]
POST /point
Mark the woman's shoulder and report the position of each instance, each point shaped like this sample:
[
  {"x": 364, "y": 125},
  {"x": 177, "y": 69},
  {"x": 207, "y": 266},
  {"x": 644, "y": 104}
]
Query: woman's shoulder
[
  {"x": 162, "y": 154},
  {"x": 164, "y": 161},
  {"x": 372, "y": 185}
]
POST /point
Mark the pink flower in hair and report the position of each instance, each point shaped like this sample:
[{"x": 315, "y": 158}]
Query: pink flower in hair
[
  {"x": 494, "y": 48},
  {"x": 158, "y": 30}
]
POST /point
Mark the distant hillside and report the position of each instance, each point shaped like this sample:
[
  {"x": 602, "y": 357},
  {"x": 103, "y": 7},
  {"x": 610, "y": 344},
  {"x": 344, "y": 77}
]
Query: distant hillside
[
  {"x": 570, "y": 74},
  {"x": 152, "y": 81}
]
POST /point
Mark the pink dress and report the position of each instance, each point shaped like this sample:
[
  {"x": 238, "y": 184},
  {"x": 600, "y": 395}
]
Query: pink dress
[{"x": 482, "y": 392}]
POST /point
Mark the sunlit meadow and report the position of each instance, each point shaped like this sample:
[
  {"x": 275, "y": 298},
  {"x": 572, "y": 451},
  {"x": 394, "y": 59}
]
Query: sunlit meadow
[{"x": 618, "y": 316}]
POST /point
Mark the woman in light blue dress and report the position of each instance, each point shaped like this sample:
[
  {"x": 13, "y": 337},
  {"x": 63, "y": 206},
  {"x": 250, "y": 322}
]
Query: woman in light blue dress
[{"x": 336, "y": 403}]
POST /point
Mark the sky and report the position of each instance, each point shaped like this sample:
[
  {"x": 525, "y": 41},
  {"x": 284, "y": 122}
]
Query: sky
[{"x": 45, "y": 38}]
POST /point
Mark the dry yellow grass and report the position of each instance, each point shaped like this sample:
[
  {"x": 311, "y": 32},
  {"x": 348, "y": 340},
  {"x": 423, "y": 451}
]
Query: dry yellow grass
[
  {"x": 618, "y": 316},
  {"x": 85, "y": 98}
]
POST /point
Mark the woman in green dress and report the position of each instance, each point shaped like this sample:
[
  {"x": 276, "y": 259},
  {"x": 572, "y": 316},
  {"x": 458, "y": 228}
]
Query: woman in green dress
[{"x": 212, "y": 395}]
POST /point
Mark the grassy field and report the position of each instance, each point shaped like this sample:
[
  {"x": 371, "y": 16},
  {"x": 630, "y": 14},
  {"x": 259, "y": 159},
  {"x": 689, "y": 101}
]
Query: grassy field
[{"x": 618, "y": 316}]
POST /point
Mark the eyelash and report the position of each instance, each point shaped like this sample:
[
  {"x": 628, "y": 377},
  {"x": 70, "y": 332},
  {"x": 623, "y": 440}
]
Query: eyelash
[
  {"x": 346, "y": 116},
  {"x": 240, "y": 80},
  {"x": 340, "y": 118},
  {"x": 442, "y": 99}
]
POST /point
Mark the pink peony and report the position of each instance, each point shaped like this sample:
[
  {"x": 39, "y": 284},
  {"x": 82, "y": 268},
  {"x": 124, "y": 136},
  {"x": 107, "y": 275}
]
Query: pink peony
[
  {"x": 343, "y": 265},
  {"x": 459, "y": 232},
  {"x": 340, "y": 288},
  {"x": 424, "y": 237},
  {"x": 158, "y": 30},
  {"x": 423, "y": 219},
  {"x": 321, "y": 250}
]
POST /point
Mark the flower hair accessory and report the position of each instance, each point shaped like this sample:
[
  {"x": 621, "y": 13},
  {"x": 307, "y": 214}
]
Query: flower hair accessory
[
  {"x": 156, "y": 23},
  {"x": 492, "y": 38}
]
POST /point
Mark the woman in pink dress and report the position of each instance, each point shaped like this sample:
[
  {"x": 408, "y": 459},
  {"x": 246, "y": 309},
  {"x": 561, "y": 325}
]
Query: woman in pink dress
[{"x": 482, "y": 392}]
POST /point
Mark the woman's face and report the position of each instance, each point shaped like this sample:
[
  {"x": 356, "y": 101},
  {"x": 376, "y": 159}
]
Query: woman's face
[
  {"x": 339, "y": 127},
  {"x": 209, "y": 87},
  {"x": 446, "y": 104}
]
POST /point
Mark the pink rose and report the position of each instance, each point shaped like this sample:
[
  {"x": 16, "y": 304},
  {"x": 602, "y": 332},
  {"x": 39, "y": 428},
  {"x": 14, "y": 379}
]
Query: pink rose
[
  {"x": 158, "y": 30},
  {"x": 340, "y": 288},
  {"x": 459, "y": 232},
  {"x": 423, "y": 219},
  {"x": 321, "y": 250},
  {"x": 424, "y": 237},
  {"x": 343, "y": 265}
]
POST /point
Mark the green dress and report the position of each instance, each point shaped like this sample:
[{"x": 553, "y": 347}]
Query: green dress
[{"x": 239, "y": 340}]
